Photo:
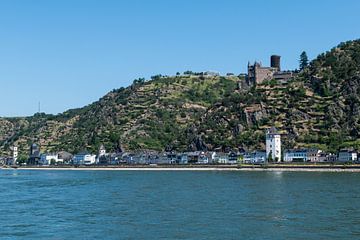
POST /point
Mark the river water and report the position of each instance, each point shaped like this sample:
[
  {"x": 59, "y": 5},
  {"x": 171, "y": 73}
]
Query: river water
[{"x": 178, "y": 205}]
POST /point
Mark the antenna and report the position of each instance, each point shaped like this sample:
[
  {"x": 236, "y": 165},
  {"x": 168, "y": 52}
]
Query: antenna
[{"x": 39, "y": 107}]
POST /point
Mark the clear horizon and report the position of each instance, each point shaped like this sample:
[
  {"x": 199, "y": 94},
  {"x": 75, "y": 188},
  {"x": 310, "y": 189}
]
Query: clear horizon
[{"x": 67, "y": 54}]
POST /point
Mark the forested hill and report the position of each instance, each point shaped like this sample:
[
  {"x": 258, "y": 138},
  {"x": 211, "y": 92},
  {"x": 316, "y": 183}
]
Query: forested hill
[{"x": 320, "y": 108}]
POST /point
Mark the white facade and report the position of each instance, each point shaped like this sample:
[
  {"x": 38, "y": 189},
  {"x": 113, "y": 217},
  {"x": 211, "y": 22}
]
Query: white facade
[
  {"x": 213, "y": 157},
  {"x": 102, "y": 151},
  {"x": 256, "y": 157},
  {"x": 48, "y": 159},
  {"x": 102, "y": 154},
  {"x": 15, "y": 154},
  {"x": 89, "y": 159},
  {"x": 84, "y": 159},
  {"x": 273, "y": 145},
  {"x": 222, "y": 159},
  {"x": 295, "y": 155}
]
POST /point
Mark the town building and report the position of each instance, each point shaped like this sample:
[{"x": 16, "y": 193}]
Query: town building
[
  {"x": 84, "y": 159},
  {"x": 295, "y": 155},
  {"x": 66, "y": 156},
  {"x": 116, "y": 158},
  {"x": 233, "y": 158},
  {"x": 211, "y": 157},
  {"x": 182, "y": 158},
  {"x": 256, "y": 157},
  {"x": 102, "y": 150},
  {"x": 50, "y": 159},
  {"x": 314, "y": 155},
  {"x": 327, "y": 157},
  {"x": 347, "y": 155},
  {"x": 126, "y": 158},
  {"x": 103, "y": 158},
  {"x": 222, "y": 158},
  {"x": 273, "y": 145},
  {"x": 331, "y": 157},
  {"x": 203, "y": 158},
  {"x": 3, "y": 161},
  {"x": 172, "y": 157},
  {"x": 198, "y": 157},
  {"x": 305, "y": 155},
  {"x": 34, "y": 155}
]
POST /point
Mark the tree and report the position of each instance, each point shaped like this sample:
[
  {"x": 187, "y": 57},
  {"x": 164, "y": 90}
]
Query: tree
[
  {"x": 22, "y": 159},
  {"x": 156, "y": 77},
  {"x": 139, "y": 81},
  {"x": 304, "y": 61},
  {"x": 269, "y": 157}
]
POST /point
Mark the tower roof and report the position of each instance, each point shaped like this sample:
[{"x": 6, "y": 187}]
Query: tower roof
[{"x": 272, "y": 130}]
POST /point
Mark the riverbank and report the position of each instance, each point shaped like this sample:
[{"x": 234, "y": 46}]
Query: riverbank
[{"x": 270, "y": 168}]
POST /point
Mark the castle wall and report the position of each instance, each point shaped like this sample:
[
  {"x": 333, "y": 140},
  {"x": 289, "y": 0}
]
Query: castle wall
[{"x": 262, "y": 74}]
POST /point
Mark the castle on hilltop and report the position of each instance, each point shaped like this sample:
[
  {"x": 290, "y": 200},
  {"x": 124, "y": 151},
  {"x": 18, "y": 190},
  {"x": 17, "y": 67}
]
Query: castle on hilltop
[{"x": 257, "y": 73}]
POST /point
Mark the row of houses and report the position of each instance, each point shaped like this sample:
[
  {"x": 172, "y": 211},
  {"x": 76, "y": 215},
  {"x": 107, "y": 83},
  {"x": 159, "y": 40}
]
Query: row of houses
[
  {"x": 198, "y": 157},
  {"x": 316, "y": 155},
  {"x": 272, "y": 154},
  {"x": 305, "y": 155},
  {"x": 146, "y": 157}
]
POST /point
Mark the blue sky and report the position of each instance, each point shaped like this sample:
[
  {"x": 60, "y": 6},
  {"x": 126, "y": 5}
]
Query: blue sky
[{"x": 69, "y": 53}]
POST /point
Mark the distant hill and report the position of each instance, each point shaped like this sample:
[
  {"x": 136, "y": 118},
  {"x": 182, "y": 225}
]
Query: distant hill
[
  {"x": 319, "y": 108},
  {"x": 153, "y": 114}
]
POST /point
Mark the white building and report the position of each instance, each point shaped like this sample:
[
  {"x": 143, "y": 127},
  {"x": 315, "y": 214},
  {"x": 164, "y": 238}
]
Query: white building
[
  {"x": 102, "y": 151},
  {"x": 203, "y": 159},
  {"x": 222, "y": 158},
  {"x": 50, "y": 158},
  {"x": 102, "y": 158},
  {"x": 15, "y": 154},
  {"x": 273, "y": 145},
  {"x": 313, "y": 155},
  {"x": 347, "y": 156},
  {"x": 212, "y": 157},
  {"x": 256, "y": 157},
  {"x": 295, "y": 155},
  {"x": 84, "y": 159}
]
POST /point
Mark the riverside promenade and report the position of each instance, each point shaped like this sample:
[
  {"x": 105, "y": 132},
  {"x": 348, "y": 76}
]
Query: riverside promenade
[{"x": 243, "y": 167}]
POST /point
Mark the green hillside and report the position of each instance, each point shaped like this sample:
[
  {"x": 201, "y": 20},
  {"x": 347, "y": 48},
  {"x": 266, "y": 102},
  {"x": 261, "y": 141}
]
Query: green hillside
[
  {"x": 320, "y": 107},
  {"x": 153, "y": 114}
]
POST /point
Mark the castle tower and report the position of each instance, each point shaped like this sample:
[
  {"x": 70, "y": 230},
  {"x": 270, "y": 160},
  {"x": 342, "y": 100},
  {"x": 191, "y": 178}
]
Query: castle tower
[
  {"x": 273, "y": 145},
  {"x": 15, "y": 154},
  {"x": 275, "y": 62}
]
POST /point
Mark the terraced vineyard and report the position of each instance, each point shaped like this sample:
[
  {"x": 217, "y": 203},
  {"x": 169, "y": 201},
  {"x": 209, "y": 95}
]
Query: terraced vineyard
[{"x": 320, "y": 107}]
